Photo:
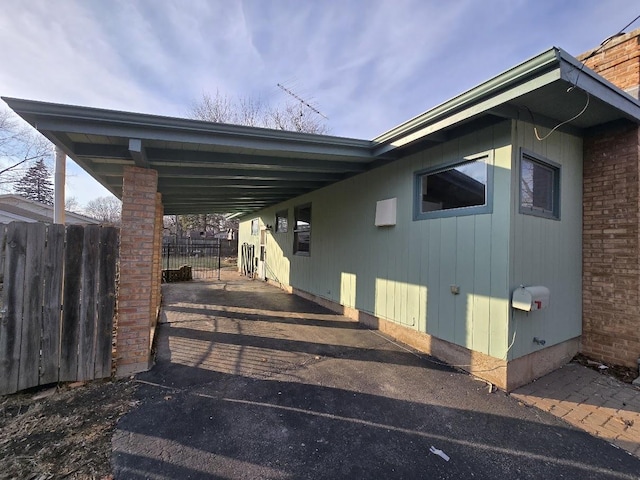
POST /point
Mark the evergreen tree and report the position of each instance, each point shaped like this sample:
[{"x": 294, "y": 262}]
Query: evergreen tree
[{"x": 36, "y": 184}]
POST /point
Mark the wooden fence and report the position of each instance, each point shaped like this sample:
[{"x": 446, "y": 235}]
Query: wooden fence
[{"x": 57, "y": 303}]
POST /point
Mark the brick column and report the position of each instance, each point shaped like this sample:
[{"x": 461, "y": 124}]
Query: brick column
[
  {"x": 611, "y": 246},
  {"x": 611, "y": 197},
  {"x": 157, "y": 262},
  {"x": 138, "y": 234}
]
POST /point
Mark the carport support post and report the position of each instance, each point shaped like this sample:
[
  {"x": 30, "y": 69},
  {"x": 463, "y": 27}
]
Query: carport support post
[
  {"x": 139, "y": 252},
  {"x": 157, "y": 265},
  {"x": 59, "y": 184}
]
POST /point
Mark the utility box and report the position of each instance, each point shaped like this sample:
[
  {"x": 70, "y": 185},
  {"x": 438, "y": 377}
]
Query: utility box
[
  {"x": 386, "y": 212},
  {"x": 530, "y": 298}
]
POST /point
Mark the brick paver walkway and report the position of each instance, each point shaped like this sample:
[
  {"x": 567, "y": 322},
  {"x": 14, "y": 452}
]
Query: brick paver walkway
[{"x": 597, "y": 403}]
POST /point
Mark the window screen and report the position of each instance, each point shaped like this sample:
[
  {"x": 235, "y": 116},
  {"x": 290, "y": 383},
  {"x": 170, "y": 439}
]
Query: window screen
[{"x": 539, "y": 187}]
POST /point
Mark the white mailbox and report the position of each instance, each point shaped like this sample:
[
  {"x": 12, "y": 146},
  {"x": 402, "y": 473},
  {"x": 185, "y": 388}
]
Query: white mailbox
[{"x": 530, "y": 298}]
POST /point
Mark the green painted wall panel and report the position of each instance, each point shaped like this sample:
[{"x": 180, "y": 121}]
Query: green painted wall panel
[
  {"x": 403, "y": 273},
  {"x": 465, "y": 269},
  {"x": 447, "y": 258},
  {"x": 498, "y": 276},
  {"x": 482, "y": 283},
  {"x": 545, "y": 251},
  {"x": 434, "y": 284}
]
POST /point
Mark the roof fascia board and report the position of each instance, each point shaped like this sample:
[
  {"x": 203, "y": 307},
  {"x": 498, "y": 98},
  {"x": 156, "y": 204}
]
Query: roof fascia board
[
  {"x": 88, "y": 120},
  {"x": 16, "y": 217},
  {"x": 552, "y": 65},
  {"x": 202, "y": 137},
  {"x": 542, "y": 62},
  {"x": 586, "y": 79},
  {"x": 441, "y": 121}
]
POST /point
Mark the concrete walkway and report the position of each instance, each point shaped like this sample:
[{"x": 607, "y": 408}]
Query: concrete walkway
[{"x": 251, "y": 382}]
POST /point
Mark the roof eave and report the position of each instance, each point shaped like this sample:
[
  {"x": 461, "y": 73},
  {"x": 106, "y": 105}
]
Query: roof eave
[
  {"x": 550, "y": 66},
  {"x": 54, "y": 116},
  {"x": 543, "y": 62}
]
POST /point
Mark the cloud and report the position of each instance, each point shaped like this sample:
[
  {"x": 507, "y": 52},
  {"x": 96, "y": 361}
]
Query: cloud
[{"x": 366, "y": 64}]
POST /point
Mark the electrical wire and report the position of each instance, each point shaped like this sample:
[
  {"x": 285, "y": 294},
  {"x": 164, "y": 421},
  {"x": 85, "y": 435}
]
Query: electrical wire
[
  {"x": 535, "y": 129},
  {"x": 601, "y": 46},
  {"x": 575, "y": 82},
  {"x": 437, "y": 362}
]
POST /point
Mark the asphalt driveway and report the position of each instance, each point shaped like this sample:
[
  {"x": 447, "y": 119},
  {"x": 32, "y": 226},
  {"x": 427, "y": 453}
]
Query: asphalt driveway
[{"x": 252, "y": 383}]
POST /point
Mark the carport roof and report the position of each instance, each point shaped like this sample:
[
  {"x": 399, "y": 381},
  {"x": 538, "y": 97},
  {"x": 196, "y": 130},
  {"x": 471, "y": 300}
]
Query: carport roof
[{"x": 206, "y": 167}]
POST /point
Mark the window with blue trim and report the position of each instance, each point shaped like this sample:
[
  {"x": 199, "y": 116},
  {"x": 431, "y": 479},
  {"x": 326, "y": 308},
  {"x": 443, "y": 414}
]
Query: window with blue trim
[
  {"x": 302, "y": 230},
  {"x": 457, "y": 189},
  {"x": 539, "y": 187}
]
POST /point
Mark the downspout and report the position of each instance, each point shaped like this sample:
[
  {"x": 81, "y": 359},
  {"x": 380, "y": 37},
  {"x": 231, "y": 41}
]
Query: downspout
[{"x": 58, "y": 186}]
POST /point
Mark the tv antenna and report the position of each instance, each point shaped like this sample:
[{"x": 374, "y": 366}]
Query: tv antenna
[{"x": 301, "y": 100}]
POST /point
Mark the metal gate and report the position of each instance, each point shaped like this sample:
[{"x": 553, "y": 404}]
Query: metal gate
[
  {"x": 187, "y": 259},
  {"x": 247, "y": 260}
]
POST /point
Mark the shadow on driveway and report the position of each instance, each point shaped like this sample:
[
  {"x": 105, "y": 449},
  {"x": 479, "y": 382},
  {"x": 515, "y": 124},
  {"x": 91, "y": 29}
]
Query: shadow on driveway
[{"x": 246, "y": 388}]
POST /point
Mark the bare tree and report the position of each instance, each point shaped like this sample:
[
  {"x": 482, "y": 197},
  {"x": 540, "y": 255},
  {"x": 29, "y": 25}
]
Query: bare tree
[
  {"x": 20, "y": 148},
  {"x": 296, "y": 118},
  {"x": 71, "y": 204},
  {"x": 105, "y": 209},
  {"x": 249, "y": 111},
  {"x": 253, "y": 112},
  {"x": 219, "y": 109},
  {"x": 205, "y": 223}
]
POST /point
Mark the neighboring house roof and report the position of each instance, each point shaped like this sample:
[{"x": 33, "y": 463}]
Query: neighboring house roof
[
  {"x": 14, "y": 208},
  {"x": 250, "y": 168}
]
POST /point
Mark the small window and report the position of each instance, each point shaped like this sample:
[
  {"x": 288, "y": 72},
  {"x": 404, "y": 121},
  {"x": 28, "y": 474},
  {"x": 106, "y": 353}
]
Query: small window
[
  {"x": 539, "y": 187},
  {"x": 302, "y": 230},
  {"x": 282, "y": 221},
  {"x": 255, "y": 226},
  {"x": 459, "y": 189}
]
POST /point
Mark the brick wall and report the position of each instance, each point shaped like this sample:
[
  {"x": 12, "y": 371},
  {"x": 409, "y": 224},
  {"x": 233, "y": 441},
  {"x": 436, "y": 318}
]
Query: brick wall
[
  {"x": 137, "y": 271},
  {"x": 611, "y": 218},
  {"x": 611, "y": 262},
  {"x": 618, "y": 61}
]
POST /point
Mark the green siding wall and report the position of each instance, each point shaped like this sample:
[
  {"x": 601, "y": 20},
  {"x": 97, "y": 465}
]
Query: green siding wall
[
  {"x": 545, "y": 251},
  {"x": 404, "y": 273}
]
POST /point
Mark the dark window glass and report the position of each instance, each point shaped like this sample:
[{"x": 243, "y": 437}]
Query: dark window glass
[
  {"x": 464, "y": 185},
  {"x": 539, "y": 185},
  {"x": 282, "y": 222},
  {"x": 302, "y": 230}
]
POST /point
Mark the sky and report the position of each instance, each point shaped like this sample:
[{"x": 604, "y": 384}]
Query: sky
[{"x": 367, "y": 65}]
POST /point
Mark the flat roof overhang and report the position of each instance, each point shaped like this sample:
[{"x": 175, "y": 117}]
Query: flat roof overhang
[
  {"x": 548, "y": 90},
  {"x": 203, "y": 167},
  {"x": 206, "y": 167}
]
